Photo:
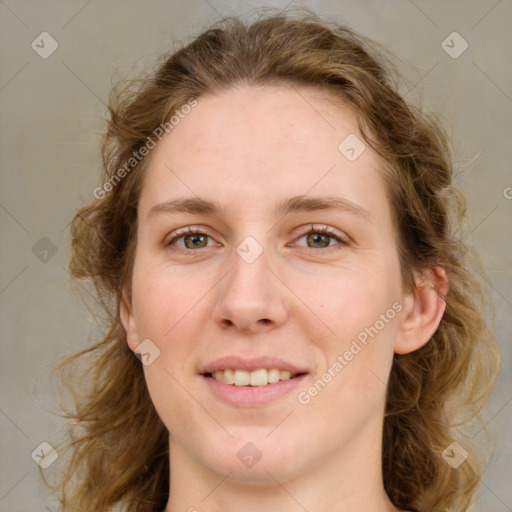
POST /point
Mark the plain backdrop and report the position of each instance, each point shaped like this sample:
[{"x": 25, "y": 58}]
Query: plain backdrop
[{"x": 53, "y": 114}]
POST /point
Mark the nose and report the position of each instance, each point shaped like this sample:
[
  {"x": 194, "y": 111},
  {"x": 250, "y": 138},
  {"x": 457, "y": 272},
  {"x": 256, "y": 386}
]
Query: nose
[{"x": 251, "y": 298}]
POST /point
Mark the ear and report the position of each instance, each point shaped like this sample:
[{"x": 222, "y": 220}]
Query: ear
[
  {"x": 128, "y": 320},
  {"x": 423, "y": 310}
]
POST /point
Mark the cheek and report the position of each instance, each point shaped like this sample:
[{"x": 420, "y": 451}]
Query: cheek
[
  {"x": 164, "y": 298},
  {"x": 164, "y": 306},
  {"x": 351, "y": 388},
  {"x": 349, "y": 302},
  {"x": 360, "y": 317}
]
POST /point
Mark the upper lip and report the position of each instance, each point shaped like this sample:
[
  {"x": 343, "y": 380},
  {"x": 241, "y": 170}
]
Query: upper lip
[{"x": 250, "y": 364}]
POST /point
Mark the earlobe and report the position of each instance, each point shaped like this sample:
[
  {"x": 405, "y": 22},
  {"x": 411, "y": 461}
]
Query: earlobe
[
  {"x": 128, "y": 321},
  {"x": 423, "y": 312}
]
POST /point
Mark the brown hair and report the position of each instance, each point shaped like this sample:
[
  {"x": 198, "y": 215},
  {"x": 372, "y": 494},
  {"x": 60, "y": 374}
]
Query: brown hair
[{"x": 119, "y": 445}]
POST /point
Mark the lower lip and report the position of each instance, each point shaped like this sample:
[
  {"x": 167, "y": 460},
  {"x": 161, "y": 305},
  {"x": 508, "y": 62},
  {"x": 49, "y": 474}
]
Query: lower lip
[{"x": 247, "y": 396}]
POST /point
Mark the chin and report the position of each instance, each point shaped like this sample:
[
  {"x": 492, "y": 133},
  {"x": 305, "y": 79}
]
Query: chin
[{"x": 252, "y": 458}]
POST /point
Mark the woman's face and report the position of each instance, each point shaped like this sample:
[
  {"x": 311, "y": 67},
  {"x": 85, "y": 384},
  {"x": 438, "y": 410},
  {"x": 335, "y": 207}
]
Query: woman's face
[{"x": 258, "y": 286}]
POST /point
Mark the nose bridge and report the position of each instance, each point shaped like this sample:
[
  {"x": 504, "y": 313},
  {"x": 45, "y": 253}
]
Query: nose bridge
[
  {"x": 249, "y": 277},
  {"x": 250, "y": 293}
]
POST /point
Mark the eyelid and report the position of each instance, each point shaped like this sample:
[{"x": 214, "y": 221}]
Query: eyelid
[
  {"x": 189, "y": 230},
  {"x": 322, "y": 228}
]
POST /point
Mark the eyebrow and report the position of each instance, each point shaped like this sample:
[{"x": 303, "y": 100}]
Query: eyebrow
[{"x": 197, "y": 205}]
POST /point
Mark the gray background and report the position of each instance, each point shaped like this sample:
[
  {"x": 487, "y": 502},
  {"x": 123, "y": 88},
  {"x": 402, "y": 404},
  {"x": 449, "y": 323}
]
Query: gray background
[{"x": 52, "y": 118}]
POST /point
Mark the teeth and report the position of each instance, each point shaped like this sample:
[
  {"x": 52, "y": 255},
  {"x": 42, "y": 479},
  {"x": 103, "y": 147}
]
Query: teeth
[
  {"x": 273, "y": 375},
  {"x": 242, "y": 378},
  {"x": 284, "y": 375},
  {"x": 229, "y": 376},
  {"x": 260, "y": 377}
]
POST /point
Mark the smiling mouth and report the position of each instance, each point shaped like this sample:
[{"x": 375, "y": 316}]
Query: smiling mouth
[{"x": 260, "y": 377}]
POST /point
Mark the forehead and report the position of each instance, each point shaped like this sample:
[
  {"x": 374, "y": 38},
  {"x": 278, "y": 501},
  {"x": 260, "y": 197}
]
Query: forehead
[
  {"x": 250, "y": 144},
  {"x": 230, "y": 123}
]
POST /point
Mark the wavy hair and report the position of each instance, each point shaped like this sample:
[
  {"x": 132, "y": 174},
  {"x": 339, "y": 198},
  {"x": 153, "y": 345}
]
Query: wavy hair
[{"x": 117, "y": 444}]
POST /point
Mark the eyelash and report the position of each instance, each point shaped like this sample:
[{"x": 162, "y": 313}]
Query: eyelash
[{"x": 343, "y": 242}]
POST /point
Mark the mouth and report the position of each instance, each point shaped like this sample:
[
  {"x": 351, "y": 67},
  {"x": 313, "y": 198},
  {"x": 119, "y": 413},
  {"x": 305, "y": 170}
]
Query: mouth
[
  {"x": 256, "y": 388},
  {"x": 255, "y": 378},
  {"x": 251, "y": 382}
]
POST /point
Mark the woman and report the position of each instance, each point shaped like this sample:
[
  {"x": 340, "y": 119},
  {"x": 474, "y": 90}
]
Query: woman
[{"x": 276, "y": 239}]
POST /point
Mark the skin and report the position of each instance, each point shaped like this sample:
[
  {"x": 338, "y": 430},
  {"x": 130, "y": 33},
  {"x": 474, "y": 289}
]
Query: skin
[{"x": 248, "y": 149}]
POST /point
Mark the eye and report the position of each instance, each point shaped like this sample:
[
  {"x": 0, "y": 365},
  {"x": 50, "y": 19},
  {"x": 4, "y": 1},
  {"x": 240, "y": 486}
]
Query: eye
[
  {"x": 321, "y": 238},
  {"x": 193, "y": 238},
  {"x": 318, "y": 238}
]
